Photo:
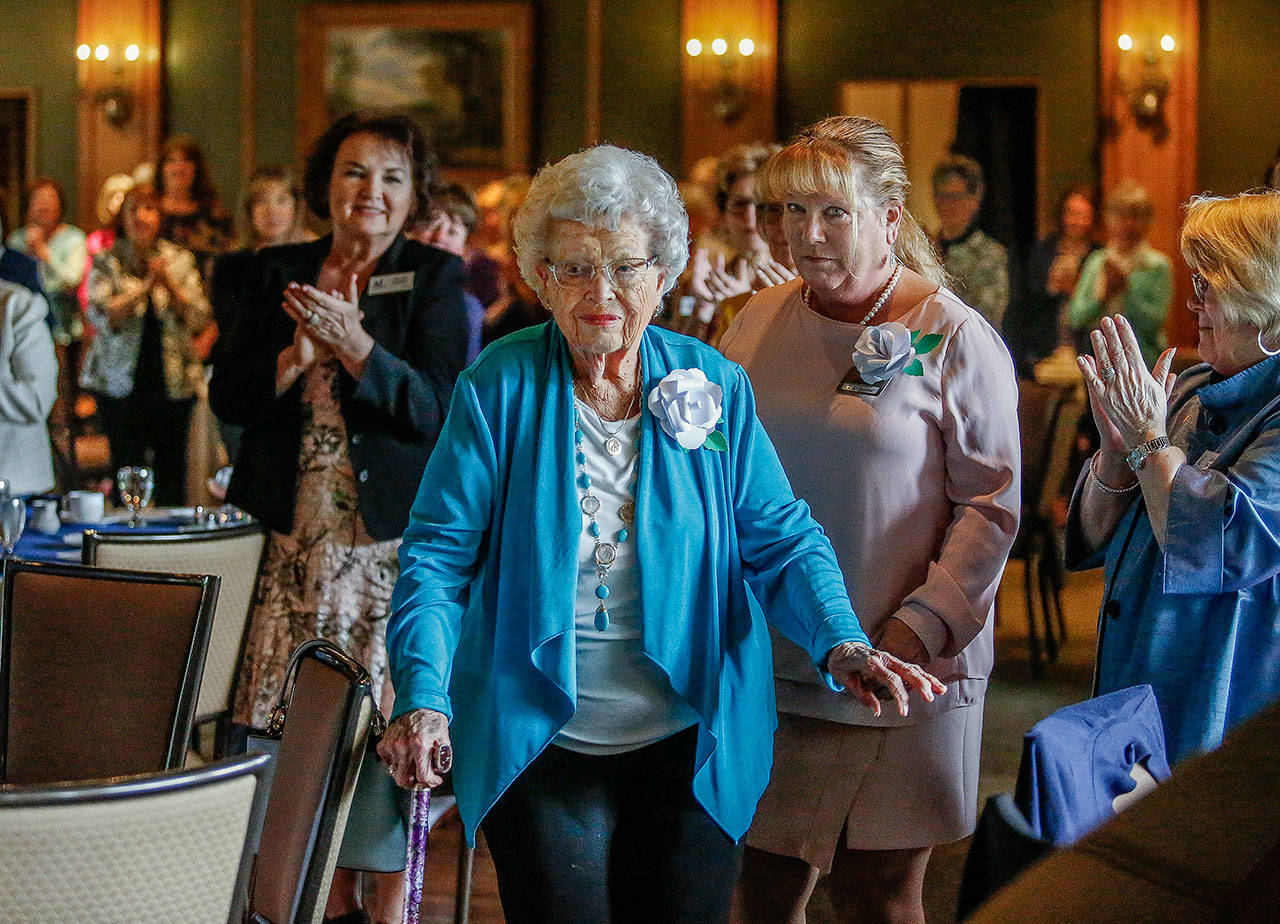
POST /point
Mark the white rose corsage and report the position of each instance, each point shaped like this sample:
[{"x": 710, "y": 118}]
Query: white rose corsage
[
  {"x": 886, "y": 349},
  {"x": 688, "y": 406}
]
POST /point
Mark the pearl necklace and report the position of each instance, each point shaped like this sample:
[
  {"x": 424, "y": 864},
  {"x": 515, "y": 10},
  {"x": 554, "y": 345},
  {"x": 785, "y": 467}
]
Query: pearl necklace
[
  {"x": 606, "y": 552},
  {"x": 806, "y": 294}
]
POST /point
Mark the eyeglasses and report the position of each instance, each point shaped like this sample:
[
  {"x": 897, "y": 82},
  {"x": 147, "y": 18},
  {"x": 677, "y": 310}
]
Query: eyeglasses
[
  {"x": 621, "y": 274},
  {"x": 1200, "y": 286}
]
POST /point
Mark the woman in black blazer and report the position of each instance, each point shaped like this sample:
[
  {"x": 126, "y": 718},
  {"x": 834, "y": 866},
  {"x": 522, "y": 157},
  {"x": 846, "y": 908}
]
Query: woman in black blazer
[{"x": 340, "y": 365}]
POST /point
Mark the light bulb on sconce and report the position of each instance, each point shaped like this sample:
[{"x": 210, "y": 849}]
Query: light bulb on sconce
[
  {"x": 728, "y": 91},
  {"x": 1142, "y": 80},
  {"x": 110, "y": 93}
]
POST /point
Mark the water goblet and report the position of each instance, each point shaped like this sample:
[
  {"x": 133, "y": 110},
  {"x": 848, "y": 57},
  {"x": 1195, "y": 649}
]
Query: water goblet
[
  {"x": 13, "y": 519},
  {"x": 135, "y": 482}
]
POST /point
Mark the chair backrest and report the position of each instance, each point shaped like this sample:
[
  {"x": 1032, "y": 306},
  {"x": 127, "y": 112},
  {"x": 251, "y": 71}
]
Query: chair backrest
[
  {"x": 233, "y": 554},
  {"x": 1204, "y": 847},
  {"x": 98, "y": 670},
  {"x": 167, "y": 847},
  {"x": 329, "y": 713},
  {"x": 1077, "y": 761},
  {"x": 1039, "y": 409}
]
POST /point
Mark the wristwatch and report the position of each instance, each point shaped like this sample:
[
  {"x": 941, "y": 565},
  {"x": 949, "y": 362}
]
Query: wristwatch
[{"x": 1138, "y": 454}]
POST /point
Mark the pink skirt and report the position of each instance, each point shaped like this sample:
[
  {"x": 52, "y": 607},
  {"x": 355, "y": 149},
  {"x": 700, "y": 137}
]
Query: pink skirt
[{"x": 887, "y": 788}]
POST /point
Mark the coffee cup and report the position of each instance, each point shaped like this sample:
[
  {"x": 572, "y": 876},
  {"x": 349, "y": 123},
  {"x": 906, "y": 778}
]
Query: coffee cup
[
  {"x": 83, "y": 507},
  {"x": 44, "y": 516}
]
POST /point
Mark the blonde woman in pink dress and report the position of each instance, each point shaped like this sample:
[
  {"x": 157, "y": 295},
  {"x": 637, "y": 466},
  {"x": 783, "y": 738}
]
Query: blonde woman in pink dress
[{"x": 894, "y": 409}]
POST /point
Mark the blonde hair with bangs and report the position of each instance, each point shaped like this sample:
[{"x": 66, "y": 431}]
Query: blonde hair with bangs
[
  {"x": 856, "y": 159},
  {"x": 1234, "y": 243}
]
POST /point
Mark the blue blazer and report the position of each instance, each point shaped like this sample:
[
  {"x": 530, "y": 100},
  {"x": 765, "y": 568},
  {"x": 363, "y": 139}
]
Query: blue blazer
[{"x": 482, "y": 623}]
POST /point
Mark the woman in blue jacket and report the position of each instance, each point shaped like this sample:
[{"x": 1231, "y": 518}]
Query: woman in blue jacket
[
  {"x": 599, "y": 530},
  {"x": 1181, "y": 503}
]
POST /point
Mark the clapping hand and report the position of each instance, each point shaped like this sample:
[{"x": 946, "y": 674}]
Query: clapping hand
[
  {"x": 1114, "y": 280},
  {"x": 770, "y": 272},
  {"x": 1129, "y": 403},
  {"x": 330, "y": 319},
  {"x": 871, "y": 675}
]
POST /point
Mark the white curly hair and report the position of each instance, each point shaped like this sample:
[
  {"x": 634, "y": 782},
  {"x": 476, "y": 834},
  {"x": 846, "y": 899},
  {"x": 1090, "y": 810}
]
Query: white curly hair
[{"x": 603, "y": 186}]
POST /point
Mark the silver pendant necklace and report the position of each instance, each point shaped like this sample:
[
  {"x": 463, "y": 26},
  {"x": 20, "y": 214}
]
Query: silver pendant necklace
[
  {"x": 605, "y": 552},
  {"x": 612, "y": 445}
]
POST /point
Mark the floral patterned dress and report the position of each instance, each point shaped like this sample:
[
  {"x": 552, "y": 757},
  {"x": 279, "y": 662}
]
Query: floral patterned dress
[{"x": 328, "y": 577}]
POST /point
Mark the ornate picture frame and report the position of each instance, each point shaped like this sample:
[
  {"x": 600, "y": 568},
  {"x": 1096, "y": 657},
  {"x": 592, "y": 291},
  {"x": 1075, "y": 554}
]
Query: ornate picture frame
[{"x": 462, "y": 70}]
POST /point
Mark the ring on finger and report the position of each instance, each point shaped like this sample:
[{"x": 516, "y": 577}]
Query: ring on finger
[
  {"x": 441, "y": 758},
  {"x": 1107, "y": 373}
]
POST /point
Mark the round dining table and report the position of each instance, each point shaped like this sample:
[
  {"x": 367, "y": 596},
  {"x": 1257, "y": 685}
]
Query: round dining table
[{"x": 65, "y": 544}]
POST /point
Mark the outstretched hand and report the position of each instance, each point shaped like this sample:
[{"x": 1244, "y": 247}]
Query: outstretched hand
[{"x": 871, "y": 676}]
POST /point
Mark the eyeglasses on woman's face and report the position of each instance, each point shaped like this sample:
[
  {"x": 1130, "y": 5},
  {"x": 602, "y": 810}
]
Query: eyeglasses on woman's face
[
  {"x": 621, "y": 274},
  {"x": 1200, "y": 287}
]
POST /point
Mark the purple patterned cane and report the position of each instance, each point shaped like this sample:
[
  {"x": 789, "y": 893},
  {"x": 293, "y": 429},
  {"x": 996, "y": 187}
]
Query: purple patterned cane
[
  {"x": 415, "y": 863},
  {"x": 416, "y": 856}
]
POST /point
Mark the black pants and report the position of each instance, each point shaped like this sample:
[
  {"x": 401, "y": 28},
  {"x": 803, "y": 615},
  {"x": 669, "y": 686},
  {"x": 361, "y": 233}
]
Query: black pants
[
  {"x": 136, "y": 424},
  {"x": 599, "y": 839}
]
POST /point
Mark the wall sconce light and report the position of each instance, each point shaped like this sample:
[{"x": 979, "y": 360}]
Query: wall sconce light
[
  {"x": 1142, "y": 80},
  {"x": 115, "y": 98},
  {"x": 730, "y": 95}
]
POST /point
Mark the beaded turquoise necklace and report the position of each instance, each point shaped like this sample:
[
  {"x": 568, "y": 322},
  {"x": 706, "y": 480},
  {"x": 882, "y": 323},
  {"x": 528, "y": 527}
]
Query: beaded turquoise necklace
[{"x": 606, "y": 552}]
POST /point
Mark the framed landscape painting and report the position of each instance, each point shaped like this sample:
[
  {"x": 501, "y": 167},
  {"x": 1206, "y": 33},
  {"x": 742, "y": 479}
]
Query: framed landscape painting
[{"x": 461, "y": 70}]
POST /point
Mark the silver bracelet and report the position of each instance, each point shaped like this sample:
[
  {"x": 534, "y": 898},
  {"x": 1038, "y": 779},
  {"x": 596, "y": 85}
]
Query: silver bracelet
[{"x": 1102, "y": 485}]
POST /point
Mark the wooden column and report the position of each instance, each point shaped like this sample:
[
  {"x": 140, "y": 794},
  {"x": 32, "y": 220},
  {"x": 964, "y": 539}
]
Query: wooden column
[
  {"x": 119, "y": 106},
  {"x": 1160, "y": 154},
  {"x": 728, "y": 98}
]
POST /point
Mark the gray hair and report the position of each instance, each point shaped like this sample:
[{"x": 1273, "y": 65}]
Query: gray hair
[{"x": 604, "y": 185}]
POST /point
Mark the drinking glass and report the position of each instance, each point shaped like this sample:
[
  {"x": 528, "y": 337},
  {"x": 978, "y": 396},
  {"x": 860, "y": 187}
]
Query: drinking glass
[
  {"x": 135, "y": 483},
  {"x": 13, "y": 518}
]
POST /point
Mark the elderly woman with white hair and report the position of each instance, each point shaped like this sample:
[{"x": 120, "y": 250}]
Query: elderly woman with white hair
[
  {"x": 597, "y": 535},
  {"x": 1182, "y": 501}
]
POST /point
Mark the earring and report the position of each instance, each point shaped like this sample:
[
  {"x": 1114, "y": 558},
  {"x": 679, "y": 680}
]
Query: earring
[{"x": 1263, "y": 347}]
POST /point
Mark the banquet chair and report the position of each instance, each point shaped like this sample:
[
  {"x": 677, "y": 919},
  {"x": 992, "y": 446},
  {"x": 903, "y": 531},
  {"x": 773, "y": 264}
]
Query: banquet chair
[
  {"x": 165, "y": 847},
  {"x": 1080, "y": 767},
  {"x": 1204, "y": 847},
  {"x": 99, "y": 669},
  {"x": 233, "y": 554},
  {"x": 1042, "y": 426},
  {"x": 323, "y": 738}
]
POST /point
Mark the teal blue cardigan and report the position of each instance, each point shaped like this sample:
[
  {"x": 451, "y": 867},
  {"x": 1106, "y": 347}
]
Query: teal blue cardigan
[{"x": 482, "y": 618}]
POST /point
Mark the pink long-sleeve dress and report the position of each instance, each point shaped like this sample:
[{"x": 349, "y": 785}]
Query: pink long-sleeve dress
[{"x": 918, "y": 489}]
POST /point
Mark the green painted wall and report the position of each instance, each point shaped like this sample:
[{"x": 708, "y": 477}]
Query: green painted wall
[
  {"x": 37, "y": 51},
  {"x": 639, "y": 99},
  {"x": 1050, "y": 43},
  {"x": 822, "y": 42},
  {"x": 202, "y": 56},
  {"x": 1239, "y": 95}
]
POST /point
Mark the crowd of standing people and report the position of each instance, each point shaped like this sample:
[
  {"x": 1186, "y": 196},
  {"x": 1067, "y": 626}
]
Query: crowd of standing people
[{"x": 596, "y": 473}]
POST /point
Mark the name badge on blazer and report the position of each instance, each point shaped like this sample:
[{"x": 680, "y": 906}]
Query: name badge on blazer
[
  {"x": 390, "y": 283},
  {"x": 852, "y": 384}
]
